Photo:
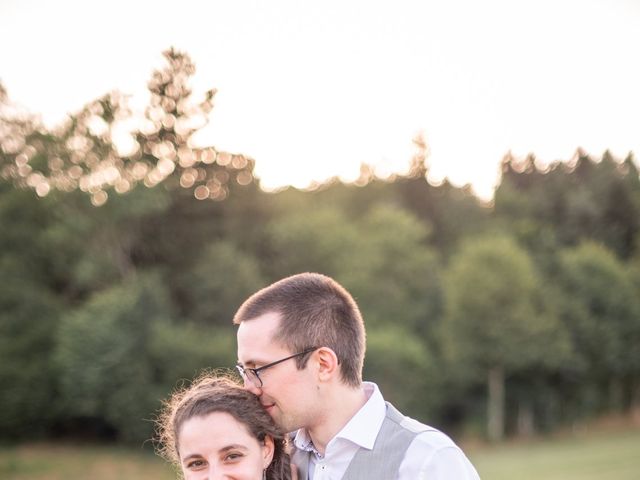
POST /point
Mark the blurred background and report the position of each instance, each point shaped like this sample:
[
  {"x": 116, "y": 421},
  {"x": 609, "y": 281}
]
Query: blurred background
[{"x": 418, "y": 153}]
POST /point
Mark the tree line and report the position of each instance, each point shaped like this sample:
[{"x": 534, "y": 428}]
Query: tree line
[{"x": 121, "y": 268}]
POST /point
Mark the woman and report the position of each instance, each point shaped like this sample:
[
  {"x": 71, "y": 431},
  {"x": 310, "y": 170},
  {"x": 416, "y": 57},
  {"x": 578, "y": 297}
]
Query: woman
[{"x": 215, "y": 429}]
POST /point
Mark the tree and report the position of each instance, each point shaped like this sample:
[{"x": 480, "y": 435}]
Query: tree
[
  {"x": 602, "y": 312},
  {"x": 387, "y": 244},
  {"x": 102, "y": 356},
  {"x": 495, "y": 322},
  {"x": 222, "y": 278},
  {"x": 381, "y": 257},
  {"x": 31, "y": 301},
  {"x": 91, "y": 155},
  {"x": 634, "y": 339},
  {"x": 321, "y": 240},
  {"x": 394, "y": 273},
  {"x": 568, "y": 202},
  {"x": 404, "y": 368},
  {"x": 449, "y": 212}
]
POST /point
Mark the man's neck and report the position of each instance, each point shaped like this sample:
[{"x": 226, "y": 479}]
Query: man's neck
[{"x": 342, "y": 403}]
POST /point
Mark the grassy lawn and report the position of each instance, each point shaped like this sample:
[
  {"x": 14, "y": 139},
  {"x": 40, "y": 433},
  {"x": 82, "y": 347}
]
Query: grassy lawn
[
  {"x": 614, "y": 455},
  {"x": 610, "y": 454},
  {"x": 77, "y": 462}
]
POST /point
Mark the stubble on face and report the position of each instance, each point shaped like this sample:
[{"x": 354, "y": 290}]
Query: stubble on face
[{"x": 284, "y": 385}]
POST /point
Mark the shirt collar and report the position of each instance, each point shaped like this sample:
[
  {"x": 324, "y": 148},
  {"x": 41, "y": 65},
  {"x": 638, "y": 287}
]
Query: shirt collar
[
  {"x": 302, "y": 441},
  {"x": 363, "y": 427}
]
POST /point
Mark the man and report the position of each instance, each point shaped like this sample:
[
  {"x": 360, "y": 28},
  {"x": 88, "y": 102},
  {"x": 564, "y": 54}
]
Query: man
[{"x": 301, "y": 344}]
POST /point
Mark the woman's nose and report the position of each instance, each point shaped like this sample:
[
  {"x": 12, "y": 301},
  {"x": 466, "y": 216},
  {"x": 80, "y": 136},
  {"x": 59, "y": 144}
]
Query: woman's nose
[{"x": 215, "y": 473}]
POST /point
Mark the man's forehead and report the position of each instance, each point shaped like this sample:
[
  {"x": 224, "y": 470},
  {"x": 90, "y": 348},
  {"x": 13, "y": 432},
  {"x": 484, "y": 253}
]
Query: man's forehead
[
  {"x": 256, "y": 338},
  {"x": 259, "y": 327}
]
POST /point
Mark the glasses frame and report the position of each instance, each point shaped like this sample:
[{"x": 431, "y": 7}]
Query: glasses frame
[{"x": 256, "y": 371}]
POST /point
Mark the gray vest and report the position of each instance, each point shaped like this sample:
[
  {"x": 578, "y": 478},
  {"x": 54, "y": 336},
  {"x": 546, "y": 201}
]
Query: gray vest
[{"x": 383, "y": 461}]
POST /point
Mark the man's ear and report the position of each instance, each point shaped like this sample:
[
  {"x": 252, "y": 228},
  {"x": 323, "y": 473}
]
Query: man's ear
[
  {"x": 267, "y": 451},
  {"x": 327, "y": 363}
]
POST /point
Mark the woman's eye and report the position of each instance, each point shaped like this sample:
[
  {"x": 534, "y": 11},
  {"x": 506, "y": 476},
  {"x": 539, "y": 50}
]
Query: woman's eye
[
  {"x": 234, "y": 456},
  {"x": 195, "y": 464}
]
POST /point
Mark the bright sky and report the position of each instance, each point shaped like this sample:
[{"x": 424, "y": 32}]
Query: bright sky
[{"x": 312, "y": 89}]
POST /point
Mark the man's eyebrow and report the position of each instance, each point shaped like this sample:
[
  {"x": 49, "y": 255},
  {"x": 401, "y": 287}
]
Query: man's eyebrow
[{"x": 251, "y": 363}]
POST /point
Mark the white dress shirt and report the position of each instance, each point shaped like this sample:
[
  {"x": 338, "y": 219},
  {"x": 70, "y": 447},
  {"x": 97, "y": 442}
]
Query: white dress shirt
[{"x": 432, "y": 455}]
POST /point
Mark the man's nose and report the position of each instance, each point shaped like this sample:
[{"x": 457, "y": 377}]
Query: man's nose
[{"x": 249, "y": 385}]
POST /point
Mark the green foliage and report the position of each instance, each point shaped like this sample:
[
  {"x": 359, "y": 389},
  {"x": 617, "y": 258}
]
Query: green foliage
[
  {"x": 382, "y": 258},
  {"x": 223, "y": 277},
  {"x": 28, "y": 318},
  {"x": 408, "y": 377},
  {"x": 600, "y": 308},
  {"x": 385, "y": 244},
  {"x": 102, "y": 355},
  {"x": 110, "y": 241},
  {"x": 395, "y": 276},
  {"x": 634, "y": 338},
  {"x": 29, "y": 313},
  {"x": 586, "y": 199},
  {"x": 496, "y": 321},
  {"x": 104, "y": 309},
  {"x": 602, "y": 312},
  {"x": 493, "y": 311},
  {"x": 321, "y": 240},
  {"x": 451, "y": 213},
  {"x": 179, "y": 351}
]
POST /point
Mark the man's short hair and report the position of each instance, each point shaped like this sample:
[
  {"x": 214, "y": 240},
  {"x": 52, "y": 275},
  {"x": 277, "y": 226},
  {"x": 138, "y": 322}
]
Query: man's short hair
[{"x": 315, "y": 311}]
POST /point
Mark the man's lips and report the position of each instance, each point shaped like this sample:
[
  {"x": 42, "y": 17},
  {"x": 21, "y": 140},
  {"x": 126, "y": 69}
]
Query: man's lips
[{"x": 268, "y": 407}]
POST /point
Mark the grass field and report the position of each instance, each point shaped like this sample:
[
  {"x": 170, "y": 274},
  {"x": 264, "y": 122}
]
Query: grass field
[
  {"x": 608, "y": 454},
  {"x": 80, "y": 462},
  {"x": 603, "y": 454}
]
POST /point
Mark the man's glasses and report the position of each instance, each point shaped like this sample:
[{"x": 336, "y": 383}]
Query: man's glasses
[{"x": 253, "y": 374}]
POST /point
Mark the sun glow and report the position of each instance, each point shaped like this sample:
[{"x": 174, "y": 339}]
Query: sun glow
[{"x": 313, "y": 91}]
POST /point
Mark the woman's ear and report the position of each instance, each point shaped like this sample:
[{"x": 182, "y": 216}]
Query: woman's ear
[{"x": 268, "y": 449}]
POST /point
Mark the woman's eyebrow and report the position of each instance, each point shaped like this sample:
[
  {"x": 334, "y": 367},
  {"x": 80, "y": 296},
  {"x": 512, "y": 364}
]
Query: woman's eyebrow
[
  {"x": 226, "y": 448},
  {"x": 193, "y": 455},
  {"x": 233, "y": 446}
]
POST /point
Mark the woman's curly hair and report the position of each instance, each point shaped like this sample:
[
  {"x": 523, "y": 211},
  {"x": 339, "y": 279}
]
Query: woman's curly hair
[{"x": 211, "y": 393}]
